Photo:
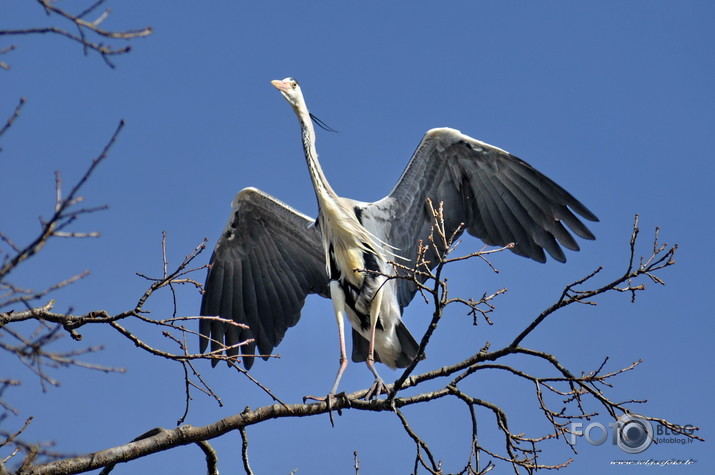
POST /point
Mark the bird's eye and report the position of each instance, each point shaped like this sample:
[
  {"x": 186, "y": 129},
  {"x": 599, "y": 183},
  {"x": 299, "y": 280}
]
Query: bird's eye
[{"x": 295, "y": 84}]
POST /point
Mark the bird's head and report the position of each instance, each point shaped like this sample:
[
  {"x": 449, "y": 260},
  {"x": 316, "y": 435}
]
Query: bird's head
[{"x": 291, "y": 91}]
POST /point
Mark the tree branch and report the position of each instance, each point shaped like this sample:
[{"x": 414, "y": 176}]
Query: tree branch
[
  {"x": 84, "y": 28},
  {"x": 519, "y": 450}
]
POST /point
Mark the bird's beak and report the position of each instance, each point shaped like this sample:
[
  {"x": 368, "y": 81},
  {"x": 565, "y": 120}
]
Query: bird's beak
[{"x": 282, "y": 86}]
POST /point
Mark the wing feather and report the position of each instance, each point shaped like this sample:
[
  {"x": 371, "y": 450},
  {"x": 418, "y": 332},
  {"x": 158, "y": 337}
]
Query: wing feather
[
  {"x": 499, "y": 198},
  {"x": 519, "y": 194},
  {"x": 268, "y": 259}
]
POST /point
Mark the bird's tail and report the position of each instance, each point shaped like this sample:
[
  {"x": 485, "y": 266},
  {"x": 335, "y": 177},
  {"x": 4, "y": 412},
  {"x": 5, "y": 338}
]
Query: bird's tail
[{"x": 408, "y": 348}]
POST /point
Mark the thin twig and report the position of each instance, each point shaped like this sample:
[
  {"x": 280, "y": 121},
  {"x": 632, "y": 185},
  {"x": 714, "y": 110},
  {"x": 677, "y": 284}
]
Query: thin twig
[
  {"x": 83, "y": 28},
  {"x": 13, "y": 117},
  {"x": 244, "y": 451}
]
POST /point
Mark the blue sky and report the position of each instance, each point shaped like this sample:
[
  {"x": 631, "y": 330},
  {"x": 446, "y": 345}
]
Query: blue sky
[{"x": 613, "y": 100}]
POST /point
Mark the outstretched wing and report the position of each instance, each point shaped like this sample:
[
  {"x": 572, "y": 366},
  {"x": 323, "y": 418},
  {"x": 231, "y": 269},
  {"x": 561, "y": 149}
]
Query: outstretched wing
[
  {"x": 499, "y": 198},
  {"x": 267, "y": 260}
]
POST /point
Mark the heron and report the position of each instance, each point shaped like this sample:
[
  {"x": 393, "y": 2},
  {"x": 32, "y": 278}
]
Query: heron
[{"x": 270, "y": 256}]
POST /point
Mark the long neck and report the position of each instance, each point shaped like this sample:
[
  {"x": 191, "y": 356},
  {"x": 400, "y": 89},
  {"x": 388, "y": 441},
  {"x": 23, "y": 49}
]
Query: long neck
[{"x": 323, "y": 190}]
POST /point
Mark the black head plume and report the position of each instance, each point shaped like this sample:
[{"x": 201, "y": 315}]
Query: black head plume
[{"x": 322, "y": 124}]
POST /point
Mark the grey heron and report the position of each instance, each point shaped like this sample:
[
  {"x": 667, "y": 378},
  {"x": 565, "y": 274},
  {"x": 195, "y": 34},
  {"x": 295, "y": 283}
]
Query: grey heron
[{"x": 270, "y": 256}]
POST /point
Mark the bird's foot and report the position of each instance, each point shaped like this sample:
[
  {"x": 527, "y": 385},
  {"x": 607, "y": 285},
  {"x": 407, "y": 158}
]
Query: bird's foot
[
  {"x": 329, "y": 400},
  {"x": 377, "y": 388}
]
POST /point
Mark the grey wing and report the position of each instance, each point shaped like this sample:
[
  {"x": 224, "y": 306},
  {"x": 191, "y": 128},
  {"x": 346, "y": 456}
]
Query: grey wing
[
  {"x": 267, "y": 260},
  {"x": 500, "y": 199}
]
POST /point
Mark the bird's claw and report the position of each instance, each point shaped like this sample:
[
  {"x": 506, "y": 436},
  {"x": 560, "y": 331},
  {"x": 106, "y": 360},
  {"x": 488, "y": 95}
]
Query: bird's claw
[
  {"x": 329, "y": 400},
  {"x": 314, "y": 398},
  {"x": 377, "y": 388}
]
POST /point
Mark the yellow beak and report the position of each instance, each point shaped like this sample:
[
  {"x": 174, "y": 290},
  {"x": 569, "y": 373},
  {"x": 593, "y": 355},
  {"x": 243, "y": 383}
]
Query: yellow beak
[{"x": 281, "y": 85}]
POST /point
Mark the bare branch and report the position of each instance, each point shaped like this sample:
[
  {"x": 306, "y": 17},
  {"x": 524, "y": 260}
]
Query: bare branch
[
  {"x": 660, "y": 258},
  {"x": 84, "y": 28},
  {"x": 244, "y": 451},
  {"x": 14, "y": 116},
  {"x": 433, "y": 466},
  {"x": 211, "y": 457},
  {"x": 572, "y": 391},
  {"x": 63, "y": 215}
]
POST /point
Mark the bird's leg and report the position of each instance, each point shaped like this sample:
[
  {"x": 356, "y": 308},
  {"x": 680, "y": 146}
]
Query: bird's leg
[
  {"x": 338, "y": 297},
  {"x": 378, "y": 387}
]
